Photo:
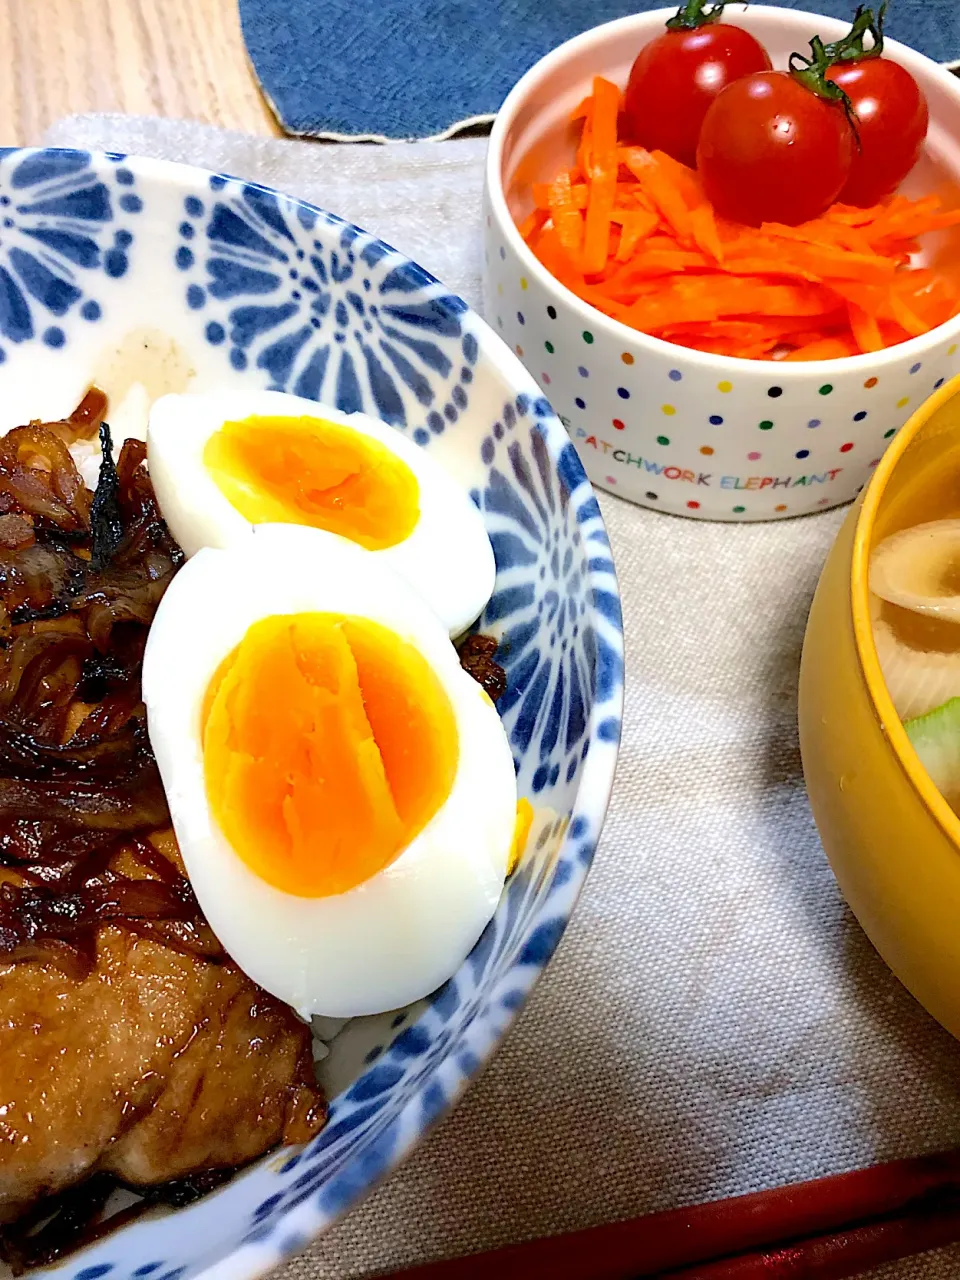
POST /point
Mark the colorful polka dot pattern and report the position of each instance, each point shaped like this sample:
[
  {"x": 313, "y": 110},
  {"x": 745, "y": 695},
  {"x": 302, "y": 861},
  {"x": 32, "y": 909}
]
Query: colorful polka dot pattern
[{"x": 781, "y": 423}]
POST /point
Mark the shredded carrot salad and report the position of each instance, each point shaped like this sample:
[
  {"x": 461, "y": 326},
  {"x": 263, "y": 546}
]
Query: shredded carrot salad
[{"x": 630, "y": 232}]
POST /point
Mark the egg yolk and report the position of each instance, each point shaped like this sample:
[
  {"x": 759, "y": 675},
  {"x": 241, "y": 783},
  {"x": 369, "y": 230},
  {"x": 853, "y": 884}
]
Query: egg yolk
[
  {"x": 328, "y": 743},
  {"x": 318, "y": 473},
  {"x": 521, "y": 833}
]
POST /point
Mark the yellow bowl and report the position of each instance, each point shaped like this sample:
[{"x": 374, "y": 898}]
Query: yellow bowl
[{"x": 892, "y": 840}]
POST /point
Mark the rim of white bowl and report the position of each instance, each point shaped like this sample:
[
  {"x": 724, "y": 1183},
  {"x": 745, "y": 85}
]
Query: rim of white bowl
[{"x": 533, "y": 80}]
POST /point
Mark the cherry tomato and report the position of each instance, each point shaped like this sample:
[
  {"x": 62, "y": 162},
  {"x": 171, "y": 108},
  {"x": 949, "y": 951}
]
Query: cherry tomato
[
  {"x": 677, "y": 76},
  {"x": 892, "y": 119},
  {"x": 771, "y": 150}
]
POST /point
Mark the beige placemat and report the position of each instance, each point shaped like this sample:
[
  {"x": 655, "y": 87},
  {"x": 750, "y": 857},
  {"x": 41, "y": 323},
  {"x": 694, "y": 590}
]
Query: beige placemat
[{"x": 714, "y": 1021}]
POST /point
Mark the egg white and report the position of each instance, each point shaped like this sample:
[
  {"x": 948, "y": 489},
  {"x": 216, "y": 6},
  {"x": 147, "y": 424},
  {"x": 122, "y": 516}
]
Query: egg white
[
  {"x": 402, "y": 933},
  {"x": 447, "y": 557}
]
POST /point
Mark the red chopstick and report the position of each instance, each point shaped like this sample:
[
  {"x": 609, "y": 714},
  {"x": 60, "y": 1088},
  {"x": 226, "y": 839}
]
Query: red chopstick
[
  {"x": 842, "y": 1253},
  {"x": 812, "y": 1230}
]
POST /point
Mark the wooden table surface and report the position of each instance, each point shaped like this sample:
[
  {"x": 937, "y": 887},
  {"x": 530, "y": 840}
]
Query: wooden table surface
[{"x": 180, "y": 58}]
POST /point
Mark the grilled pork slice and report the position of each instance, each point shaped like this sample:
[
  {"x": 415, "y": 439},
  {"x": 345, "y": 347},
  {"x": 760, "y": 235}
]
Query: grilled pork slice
[{"x": 155, "y": 1066}]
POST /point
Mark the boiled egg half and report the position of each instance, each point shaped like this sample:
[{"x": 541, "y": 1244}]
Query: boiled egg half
[
  {"x": 224, "y": 461},
  {"x": 342, "y": 792}
]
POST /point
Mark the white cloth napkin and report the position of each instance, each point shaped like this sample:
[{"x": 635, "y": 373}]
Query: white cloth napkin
[{"x": 714, "y": 1021}]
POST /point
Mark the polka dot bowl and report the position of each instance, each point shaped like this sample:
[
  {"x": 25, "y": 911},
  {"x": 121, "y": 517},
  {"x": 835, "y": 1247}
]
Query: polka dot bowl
[{"x": 678, "y": 430}]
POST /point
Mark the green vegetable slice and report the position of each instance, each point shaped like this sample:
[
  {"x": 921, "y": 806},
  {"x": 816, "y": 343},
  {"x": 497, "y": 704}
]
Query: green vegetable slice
[{"x": 936, "y": 740}]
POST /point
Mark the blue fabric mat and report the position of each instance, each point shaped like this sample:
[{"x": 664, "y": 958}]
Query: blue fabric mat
[{"x": 417, "y": 68}]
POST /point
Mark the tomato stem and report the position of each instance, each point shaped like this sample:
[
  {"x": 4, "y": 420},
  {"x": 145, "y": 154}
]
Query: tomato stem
[
  {"x": 693, "y": 14},
  {"x": 812, "y": 72},
  {"x": 851, "y": 47}
]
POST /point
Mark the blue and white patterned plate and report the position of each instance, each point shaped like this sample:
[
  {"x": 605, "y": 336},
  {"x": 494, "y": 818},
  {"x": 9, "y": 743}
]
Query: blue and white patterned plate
[{"x": 147, "y": 277}]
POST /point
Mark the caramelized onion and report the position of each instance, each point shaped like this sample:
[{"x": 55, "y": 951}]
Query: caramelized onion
[
  {"x": 41, "y": 478},
  {"x": 40, "y": 922},
  {"x": 129, "y": 805},
  {"x": 16, "y": 531},
  {"x": 84, "y": 422},
  {"x": 34, "y": 577},
  {"x": 81, "y": 575},
  {"x": 477, "y": 657}
]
